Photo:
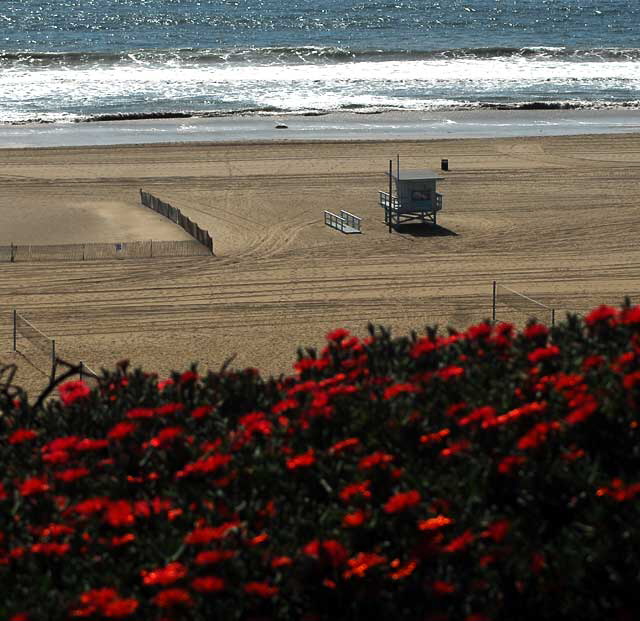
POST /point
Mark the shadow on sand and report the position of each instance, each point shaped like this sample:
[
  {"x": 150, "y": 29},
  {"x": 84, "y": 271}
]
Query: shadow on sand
[{"x": 424, "y": 230}]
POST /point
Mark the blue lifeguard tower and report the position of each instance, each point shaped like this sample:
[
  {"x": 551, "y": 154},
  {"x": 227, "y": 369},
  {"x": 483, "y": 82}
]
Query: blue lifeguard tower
[{"x": 416, "y": 198}]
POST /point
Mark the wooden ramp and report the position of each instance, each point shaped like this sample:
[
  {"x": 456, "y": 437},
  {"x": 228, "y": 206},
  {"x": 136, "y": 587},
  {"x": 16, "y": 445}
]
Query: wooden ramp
[{"x": 345, "y": 222}]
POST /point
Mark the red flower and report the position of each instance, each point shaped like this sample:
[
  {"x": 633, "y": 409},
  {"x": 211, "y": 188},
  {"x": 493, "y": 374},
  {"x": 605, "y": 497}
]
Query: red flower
[
  {"x": 434, "y": 523},
  {"x": 497, "y": 530},
  {"x": 423, "y": 346},
  {"x": 166, "y": 436},
  {"x": 162, "y": 384},
  {"x": 573, "y": 454},
  {"x": 50, "y": 549},
  {"x": 397, "y": 389},
  {"x": 402, "y": 501},
  {"x": 337, "y": 335},
  {"x": 602, "y": 314},
  {"x": 258, "y": 539},
  {"x": 592, "y": 362},
  {"x": 630, "y": 316},
  {"x": 207, "y": 584},
  {"x": 201, "y": 411},
  {"x": 72, "y": 474},
  {"x": 168, "y": 408},
  {"x": 119, "y": 513},
  {"x": 90, "y": 506},
  {"x": 90, "y": 444},
  {"x": 301, "y": 461},
  {"x": 328, "y": 551},
  {"x": 119, "y": 608},
  {"x": 121, "y": 430},
  {"x": 188, "y": 376},
  {"x": 122, "y": 540},
  {"x": 206, "y": 465},
  {"x": 402, "y": 570},
  {"x": 583, "y": 407},
  {"x": 66, "y": 443},
  {"x": 485, "y": 413},
  {"x": 73, "y": 391},
  {"x": 460, "y": 542},
  {"x": 260, "y": 589},
  {"x": 344, "y": 445},
  {"x": 211, "y": 557},
  {"x": 281, "y": 561},
  {"x": 360, "y": 564},
  {"x": 509, "y": 463},
  {"x": 32, "y": 486},
  {"x": 355, "y": 519},
  {"x": 436, "y": 436},
  {"x": 172, "y": 597},
  {"x": 21, "y": 435},
  {"x": 449, "y": 372},
  {"x": 536, "y": 331},
  {"x": 55, "y": 530},
  {"x": 164, "y": 576},
  {"x": 537, "y": 435},
  {"x": 441, "y": 587},
  {"x": 455, "y": 447},
  {"x": 543, "y": 353},
  {"x": 375, "y": 459},
  {"x": 98, "y": 598},
  {"x": 355, "y": 489},
  {"x": 208, "y": 534},
  {"x": 56, "y": 457},
  {"x": 140, "y": 413}
]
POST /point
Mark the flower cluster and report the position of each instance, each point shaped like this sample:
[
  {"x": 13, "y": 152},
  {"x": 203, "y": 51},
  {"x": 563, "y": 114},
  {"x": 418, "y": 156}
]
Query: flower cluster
[{"x": 474, "y": 476}]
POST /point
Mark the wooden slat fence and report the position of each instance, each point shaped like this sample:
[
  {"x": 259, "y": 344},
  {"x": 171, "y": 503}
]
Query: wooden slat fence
[{"x": 174, "y": 214}]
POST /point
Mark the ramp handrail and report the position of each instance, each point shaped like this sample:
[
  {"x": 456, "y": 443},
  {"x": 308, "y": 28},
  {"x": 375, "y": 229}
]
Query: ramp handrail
[
  {"x": 351, "y": 220},
  {"x": 334, "y": 220},
  {"x": 383, "y": 198}
]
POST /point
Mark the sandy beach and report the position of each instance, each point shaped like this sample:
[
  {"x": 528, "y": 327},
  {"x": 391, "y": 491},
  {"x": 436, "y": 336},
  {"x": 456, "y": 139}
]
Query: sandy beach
[{"x": 554, "y": 217}]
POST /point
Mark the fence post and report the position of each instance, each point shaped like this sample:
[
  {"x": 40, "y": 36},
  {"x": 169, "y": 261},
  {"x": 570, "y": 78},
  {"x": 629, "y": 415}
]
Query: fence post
[
  {"x": 151, "y": 248},
  {"x": 15, "y": 330},
  {"x": 390, "y": 192},
  {"x": 493, "y": 306},
  {"x": 12, "y": 255}
]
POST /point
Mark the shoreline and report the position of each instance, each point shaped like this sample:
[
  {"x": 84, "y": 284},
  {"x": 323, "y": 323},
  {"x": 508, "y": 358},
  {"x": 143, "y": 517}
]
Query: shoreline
[{"x": 338, "y": 126}]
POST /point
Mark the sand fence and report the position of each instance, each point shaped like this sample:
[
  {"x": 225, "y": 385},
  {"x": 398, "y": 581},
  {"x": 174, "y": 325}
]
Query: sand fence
[
  {"x": 200, "y": 245},
  {"x": 175, "y": 215}
]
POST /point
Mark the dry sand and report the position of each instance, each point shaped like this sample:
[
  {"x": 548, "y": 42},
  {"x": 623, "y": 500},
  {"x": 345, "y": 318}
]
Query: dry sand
[{"x": 554, "y": 217}]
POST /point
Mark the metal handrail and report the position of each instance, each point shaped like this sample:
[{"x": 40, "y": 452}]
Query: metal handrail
[{"x": 351, "y": 220}]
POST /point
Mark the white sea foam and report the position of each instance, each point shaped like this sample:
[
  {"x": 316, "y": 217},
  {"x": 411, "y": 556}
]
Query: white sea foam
[{"x": 69, "y": 92}]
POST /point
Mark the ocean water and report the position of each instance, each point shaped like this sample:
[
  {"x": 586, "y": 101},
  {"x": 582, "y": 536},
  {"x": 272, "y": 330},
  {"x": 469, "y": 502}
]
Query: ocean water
[{"x": 77, "y": 60}]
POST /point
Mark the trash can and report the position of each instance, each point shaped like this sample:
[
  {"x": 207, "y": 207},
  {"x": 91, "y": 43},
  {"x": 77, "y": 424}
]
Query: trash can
[{"x": 444, "y": 164}]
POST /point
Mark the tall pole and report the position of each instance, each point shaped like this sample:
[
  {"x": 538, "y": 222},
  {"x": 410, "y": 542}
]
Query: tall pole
[
  {"x": 390, "y": 192},
  {"x": 53, "y": 359},
  {"x": 493, "y": 307},
  {"x": 15, "y": 330}
]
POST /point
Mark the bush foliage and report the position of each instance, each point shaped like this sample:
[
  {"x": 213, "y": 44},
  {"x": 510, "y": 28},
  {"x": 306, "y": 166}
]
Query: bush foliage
[{"x": 481, "y": 475}]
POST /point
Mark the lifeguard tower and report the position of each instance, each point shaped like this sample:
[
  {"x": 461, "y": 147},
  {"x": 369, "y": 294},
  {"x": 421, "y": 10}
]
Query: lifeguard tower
[{"x": 416, "y": 198}]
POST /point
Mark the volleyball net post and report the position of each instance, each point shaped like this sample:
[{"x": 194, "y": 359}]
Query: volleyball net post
[{"x": 508, "y": 302}]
